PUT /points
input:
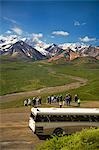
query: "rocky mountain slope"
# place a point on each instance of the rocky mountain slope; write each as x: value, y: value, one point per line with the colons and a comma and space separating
x: 22, y: 50
x: 26, y: 49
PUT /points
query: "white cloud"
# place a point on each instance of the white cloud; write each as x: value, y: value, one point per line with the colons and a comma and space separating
x: 8, y: 32
x: 60, y: 33
x: 9, y: 19
x: 17, y: 30
x: 76, y: 23
x: 37, y: 42
x: 52, y: 36
x: 39, y: 35
x: 87, y: 39
x: 84, y: 23
x: 36, y: 37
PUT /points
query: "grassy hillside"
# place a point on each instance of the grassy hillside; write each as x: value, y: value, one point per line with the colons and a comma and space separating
x: 17, y: 76
x: 87, y: 68
x: 84, y: 140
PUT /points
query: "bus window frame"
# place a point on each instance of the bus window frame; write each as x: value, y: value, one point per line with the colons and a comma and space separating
x: 72, y: 118
x: 43, y: 118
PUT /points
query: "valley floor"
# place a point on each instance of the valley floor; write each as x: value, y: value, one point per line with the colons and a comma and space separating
x: 49, y: 90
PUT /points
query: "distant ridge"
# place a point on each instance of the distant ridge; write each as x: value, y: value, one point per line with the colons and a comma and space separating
x: 21, y: 49
x: 86, y: 62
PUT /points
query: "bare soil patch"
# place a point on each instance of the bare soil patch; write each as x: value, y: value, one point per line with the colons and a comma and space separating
x: 15, y: 133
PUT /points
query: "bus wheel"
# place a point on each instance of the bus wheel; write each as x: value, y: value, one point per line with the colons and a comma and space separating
x: 58, y: 132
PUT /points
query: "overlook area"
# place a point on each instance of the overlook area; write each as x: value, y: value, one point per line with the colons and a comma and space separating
x: 49, y: 58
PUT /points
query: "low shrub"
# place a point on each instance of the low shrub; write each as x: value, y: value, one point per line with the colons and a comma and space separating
x: 87, y: 139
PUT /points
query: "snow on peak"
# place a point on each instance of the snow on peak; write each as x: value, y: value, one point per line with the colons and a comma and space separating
x: 41, y: 50
x: 7, y: 41
x: 38, y: 45
x: 73, y: 46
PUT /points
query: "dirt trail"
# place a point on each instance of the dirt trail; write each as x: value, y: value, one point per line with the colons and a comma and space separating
x: 49, y: 90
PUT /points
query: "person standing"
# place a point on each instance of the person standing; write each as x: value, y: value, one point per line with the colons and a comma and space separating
x: 40, y: 100
x: 76, y: 98
x: 67, y: 99
x: 34, y: 101
x: 63, y: 102
x: 52, y: 98
x: 37, y: 101
x: 25, y: 102
x: 60, y: 104
x: 78, y: 102
x: 57, y: 99
x: 48, y: 99
x: 29, y: 101
x: 61, y: 98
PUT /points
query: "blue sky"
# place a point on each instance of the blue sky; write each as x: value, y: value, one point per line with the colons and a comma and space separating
x: 51, y: 21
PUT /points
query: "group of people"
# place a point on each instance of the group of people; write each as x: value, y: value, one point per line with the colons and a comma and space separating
x: 54, y: 99
x: 63, y: 100
x: 68, y: 99
x: 35, y: 101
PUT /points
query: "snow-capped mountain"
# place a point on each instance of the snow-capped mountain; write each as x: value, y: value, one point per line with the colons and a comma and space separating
x: 38, y: 45
x: 36, y: 50
x: 73, y: 46
x: 90, y: 51
x: 42, y: 51
x: 21, y: 49
x: 54, y: 49
x: 7, y: 41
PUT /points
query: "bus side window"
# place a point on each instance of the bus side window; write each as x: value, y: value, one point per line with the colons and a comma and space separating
x: 38, y: 118
x: 42, y: 118
x: 83, y: 118
x: 87, y: 118
x: 75, y: 118
x: 45, y: 118
x: 97, y: 118
x: 94, y: 118
x: 53, y: 118
x: 91, y: 118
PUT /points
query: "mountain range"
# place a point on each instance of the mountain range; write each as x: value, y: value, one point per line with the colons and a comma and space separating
x: 26, y: 49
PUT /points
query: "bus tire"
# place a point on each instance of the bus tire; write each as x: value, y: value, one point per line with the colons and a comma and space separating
x: 58, y: 132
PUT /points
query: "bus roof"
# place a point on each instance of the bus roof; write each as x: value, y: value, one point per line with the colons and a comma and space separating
x: 64, y: 111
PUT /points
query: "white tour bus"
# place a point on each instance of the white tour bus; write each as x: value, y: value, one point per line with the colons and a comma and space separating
x: 47, y: 121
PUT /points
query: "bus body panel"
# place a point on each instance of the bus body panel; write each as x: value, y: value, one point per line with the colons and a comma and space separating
x: 44, y: 121
x: 67, y: 127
